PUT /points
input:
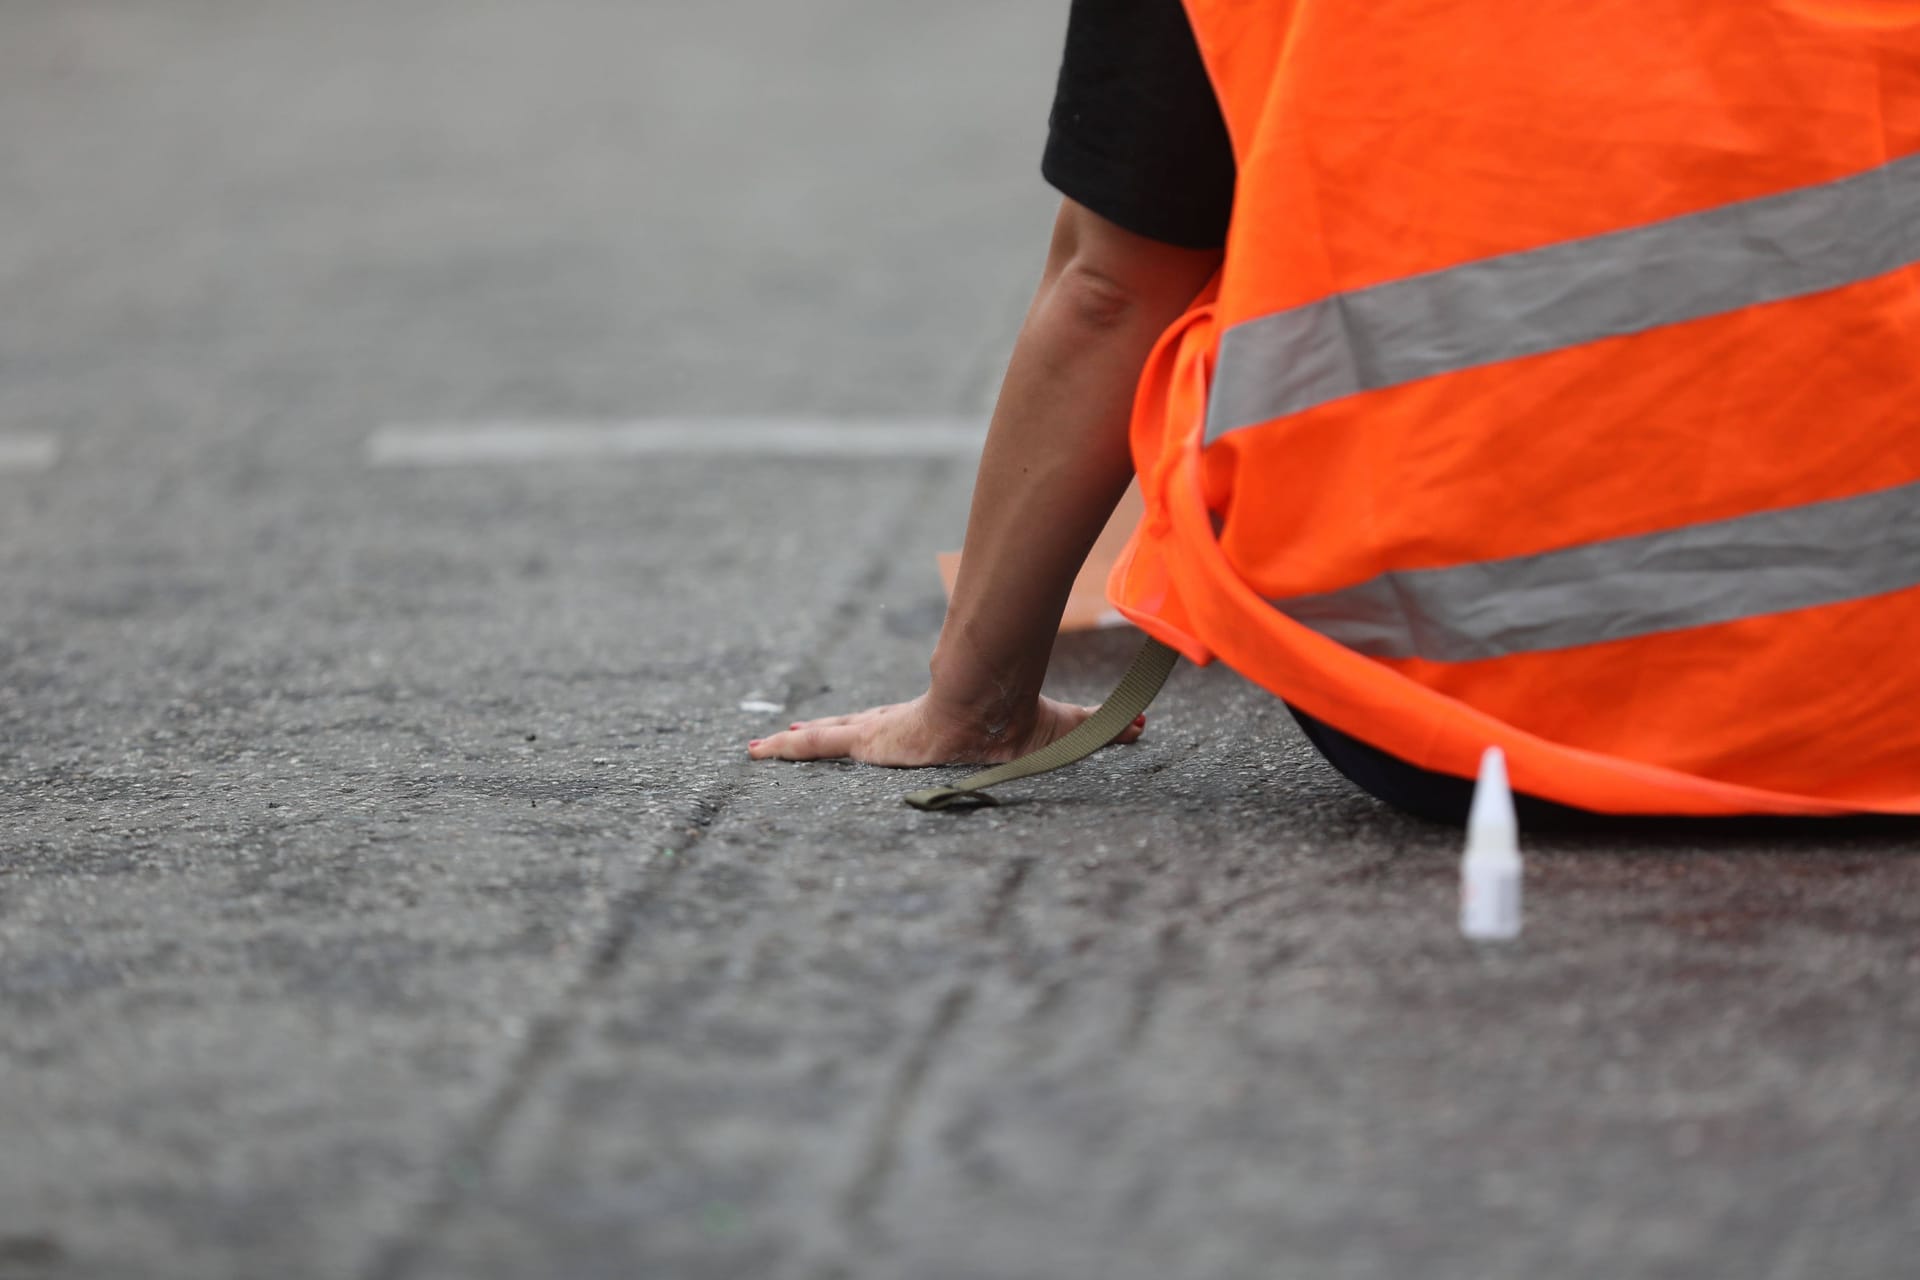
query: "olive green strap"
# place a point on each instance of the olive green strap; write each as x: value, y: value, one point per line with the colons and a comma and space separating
x: 1149, y: 671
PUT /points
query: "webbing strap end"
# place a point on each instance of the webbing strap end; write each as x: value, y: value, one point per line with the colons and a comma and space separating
x: 934, y: 799
x: 1143, y: 679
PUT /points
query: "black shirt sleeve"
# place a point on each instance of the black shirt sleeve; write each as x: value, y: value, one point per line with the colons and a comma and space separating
x: 1136, y: 133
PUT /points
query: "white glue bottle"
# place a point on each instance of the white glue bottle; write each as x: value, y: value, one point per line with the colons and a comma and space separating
x: 1490, y: 870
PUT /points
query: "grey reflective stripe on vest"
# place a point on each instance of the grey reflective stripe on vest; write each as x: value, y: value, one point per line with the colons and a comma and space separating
x: 1793, y: 558
x: 1565, y: 295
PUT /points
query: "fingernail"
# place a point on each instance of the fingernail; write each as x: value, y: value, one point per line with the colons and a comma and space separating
x: 756, y: 742
x: 1140, y: 719
x: 794, y: 725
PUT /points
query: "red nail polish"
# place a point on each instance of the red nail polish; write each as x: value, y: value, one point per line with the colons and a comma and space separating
x: 756, y: 742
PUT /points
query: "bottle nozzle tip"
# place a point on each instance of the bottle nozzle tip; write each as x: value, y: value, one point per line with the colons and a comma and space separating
x: 1492, y: 819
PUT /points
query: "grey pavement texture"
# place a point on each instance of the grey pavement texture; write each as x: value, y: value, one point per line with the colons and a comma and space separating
x: 383, y: 891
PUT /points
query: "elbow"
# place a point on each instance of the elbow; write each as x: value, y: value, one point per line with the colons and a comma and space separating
x: 1103, y: 282
x: 1094, y: 299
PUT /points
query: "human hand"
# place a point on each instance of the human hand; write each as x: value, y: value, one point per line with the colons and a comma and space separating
x: 912, y: 734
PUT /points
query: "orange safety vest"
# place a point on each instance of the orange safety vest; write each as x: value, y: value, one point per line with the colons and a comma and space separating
x: 1560, y: 391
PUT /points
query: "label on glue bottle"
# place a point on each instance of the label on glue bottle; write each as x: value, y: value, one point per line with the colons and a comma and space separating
x: 1490, y: 902
x: 1490, y: 868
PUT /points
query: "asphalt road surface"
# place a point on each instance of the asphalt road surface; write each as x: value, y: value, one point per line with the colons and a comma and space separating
x: 383, y: 889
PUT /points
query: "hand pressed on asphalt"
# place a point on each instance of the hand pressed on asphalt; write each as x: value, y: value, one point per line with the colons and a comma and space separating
x: 911, y: 734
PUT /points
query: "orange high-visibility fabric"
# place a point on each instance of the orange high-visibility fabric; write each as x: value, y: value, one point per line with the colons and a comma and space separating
x: 1385, y: 142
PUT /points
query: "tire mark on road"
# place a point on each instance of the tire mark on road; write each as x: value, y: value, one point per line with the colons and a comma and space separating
x: 1146, y: 990
x: 882, y: 1151
x: 883, y: 1144
x: 1005, y: 893
x: 471, y: 1155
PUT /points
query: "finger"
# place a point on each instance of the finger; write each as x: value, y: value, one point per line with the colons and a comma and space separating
x: 1133, y: 731
x: 852, y: 717
x: 831, y: 743
x: 829, y: 722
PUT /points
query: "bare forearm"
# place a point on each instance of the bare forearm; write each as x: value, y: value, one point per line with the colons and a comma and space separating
x: 1055, y: 462
x: 1056, y: 458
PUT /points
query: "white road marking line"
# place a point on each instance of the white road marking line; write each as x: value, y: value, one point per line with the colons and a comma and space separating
x: 511, y: 443
x: 28, y: 453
